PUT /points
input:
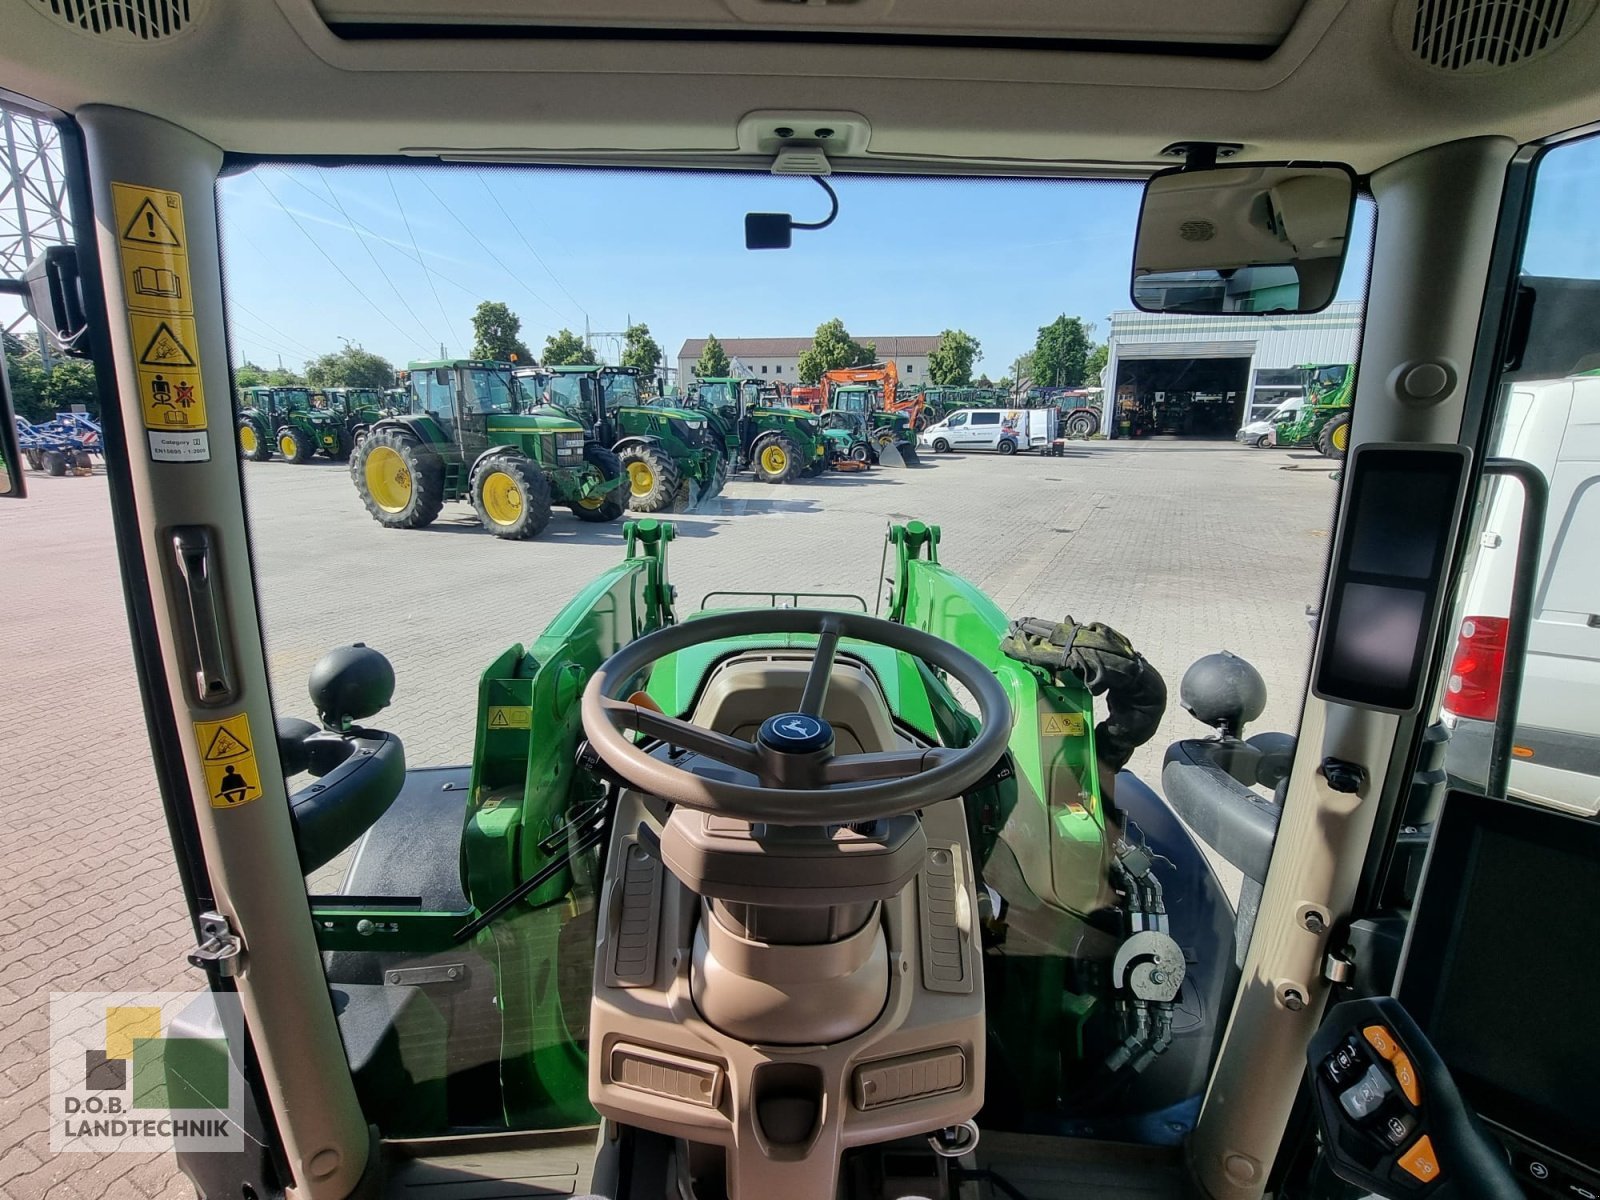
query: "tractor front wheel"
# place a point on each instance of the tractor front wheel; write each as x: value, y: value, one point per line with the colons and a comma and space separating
x: 611, y: 505
x: 653, y: 479
x: 295, y: 445
x: 776, y: 459
x: 343, y: 445
x: 252, y: 445
x: 512, y: 496
x: 400, y: 483
x: 1334, y: 440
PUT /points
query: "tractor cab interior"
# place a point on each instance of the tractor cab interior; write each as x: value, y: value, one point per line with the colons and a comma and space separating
x: 856, y: 881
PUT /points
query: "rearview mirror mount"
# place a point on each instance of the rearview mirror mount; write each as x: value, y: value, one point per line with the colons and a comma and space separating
x: 1251, y: 238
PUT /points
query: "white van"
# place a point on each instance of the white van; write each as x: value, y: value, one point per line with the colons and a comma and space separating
x: 1004, y: 429
x: 1556, y: 743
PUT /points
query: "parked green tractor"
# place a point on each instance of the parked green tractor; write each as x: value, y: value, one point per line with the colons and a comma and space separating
x: 292, y: 421
x: 360, y: 408
x: 776, y: 442
x: 883, y: 431
x: 673, y: 461
x: 1319, y: 417
x: 470, y: 436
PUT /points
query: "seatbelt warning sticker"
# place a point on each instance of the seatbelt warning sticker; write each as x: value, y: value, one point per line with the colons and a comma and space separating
x: 510, y: 716
x: 1060, y: 724
x: 153, y: 244
x: 227, y: 753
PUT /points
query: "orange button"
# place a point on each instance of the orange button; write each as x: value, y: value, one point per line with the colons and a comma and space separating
x: 1419, y: 1161
x: 1381, y: 1040
x: 1406, y: 1077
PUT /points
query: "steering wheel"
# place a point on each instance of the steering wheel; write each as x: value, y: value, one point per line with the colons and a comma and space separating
x: 802, y: 781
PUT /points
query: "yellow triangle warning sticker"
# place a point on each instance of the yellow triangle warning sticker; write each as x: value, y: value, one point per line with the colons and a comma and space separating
x: 510, y: 716
x: 226, y: 744
x: 149, y: 228
x: 164, y: 349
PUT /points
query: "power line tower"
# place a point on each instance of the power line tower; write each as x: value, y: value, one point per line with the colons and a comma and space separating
x: 33, y: 198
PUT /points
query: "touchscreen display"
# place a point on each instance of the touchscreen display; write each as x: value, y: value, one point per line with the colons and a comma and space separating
x: 1387, y: 579
x: 1503, y: 955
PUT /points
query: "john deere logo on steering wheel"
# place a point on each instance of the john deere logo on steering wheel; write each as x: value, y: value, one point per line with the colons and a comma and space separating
x: 799, y: 728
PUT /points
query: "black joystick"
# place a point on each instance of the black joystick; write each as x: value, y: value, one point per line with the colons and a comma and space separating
x: 349, y: 684
x: 1223, y: 691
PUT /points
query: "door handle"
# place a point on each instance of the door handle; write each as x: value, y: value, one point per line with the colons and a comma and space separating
x: 194, y: 560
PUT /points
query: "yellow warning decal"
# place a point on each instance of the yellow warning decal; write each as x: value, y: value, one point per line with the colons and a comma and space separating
x: 227, y: 753
x: 1061, y: 724
x: 153, y: 244
x: 510, y: 716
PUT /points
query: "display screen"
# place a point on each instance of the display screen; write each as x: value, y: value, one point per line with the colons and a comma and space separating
x: 1500, y: 968
x: 1387, y: 579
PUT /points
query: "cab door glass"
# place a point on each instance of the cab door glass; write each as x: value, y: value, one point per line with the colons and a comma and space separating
x: 1549, y: 751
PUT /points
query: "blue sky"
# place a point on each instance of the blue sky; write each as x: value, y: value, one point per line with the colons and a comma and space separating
x: 417, y: 248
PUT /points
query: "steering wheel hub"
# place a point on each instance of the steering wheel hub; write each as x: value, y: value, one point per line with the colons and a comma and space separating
x: 795, y: 733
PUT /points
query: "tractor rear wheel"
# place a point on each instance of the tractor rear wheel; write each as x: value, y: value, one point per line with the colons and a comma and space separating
x: 400, y: 483
x: 653, y: 479
x: 1082, y: 424
x: 776, y: 459
x: 612, y: 504
x: 296, y: 445
x: 252, y: 445
x: 1334, y: 440
x: 512, y: 496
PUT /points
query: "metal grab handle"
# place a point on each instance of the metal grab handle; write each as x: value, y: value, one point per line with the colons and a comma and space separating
x: 213, y: 671
x: 1535, y: 499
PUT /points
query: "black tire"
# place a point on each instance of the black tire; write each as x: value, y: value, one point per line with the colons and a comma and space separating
x: 1334, y: 440
x: 1006, y: 446
x: 615, y: 502
x: 861, y: 453
x: 775, y: 458
x: 653, y: 479
x: 411, y: 478
x: 254, y: 444
x: 35, y: 459
x: 1260, y: 443
x: 511, y: 496
x: 1083, y: 425
x: 344, y: 444
x: 55, y: 462
x: 296, y: 445
x: 940, y: 446
x: 720, y: 473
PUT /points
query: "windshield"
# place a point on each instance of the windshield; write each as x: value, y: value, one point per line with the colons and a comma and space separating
x: 1075, y: 470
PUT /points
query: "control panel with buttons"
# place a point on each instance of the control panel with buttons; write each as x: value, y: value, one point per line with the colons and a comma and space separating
x: 1390, y: 1116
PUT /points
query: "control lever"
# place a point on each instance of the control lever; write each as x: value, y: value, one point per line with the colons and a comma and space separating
x: 1390, y: 1116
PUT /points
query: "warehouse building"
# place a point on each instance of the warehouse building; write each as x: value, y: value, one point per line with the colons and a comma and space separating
x: 779, y: 358
x: 1203, y: 376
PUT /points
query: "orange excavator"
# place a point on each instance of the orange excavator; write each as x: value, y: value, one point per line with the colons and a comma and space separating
x: 883, y: 374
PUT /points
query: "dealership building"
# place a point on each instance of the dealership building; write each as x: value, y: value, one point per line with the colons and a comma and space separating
x: 778, y: 358
x: 1195, y: 375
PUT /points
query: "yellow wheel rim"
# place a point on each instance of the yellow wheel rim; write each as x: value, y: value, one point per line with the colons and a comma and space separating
x: 285, y: 445
x: 502, y: 498
x: 774, y: 460
x: 247, y: 439
x: 591, y: 502
x: 388, y: 480
x: 641, y: 479
x: 1341, y: 437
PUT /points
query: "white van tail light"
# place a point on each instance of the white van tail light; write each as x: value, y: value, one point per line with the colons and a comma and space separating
x: 1473, y: 689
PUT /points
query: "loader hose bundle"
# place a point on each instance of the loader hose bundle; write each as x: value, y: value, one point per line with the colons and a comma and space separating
x: 1106, y: 663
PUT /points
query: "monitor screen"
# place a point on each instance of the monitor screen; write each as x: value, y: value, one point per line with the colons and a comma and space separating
x: 1500, y: 967
x: 1387, y: 577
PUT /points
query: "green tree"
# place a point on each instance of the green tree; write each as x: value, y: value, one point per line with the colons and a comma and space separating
x: 950, y: 364
x: 495, y: 330
x: 640, y: 350
x: 39, y: 393
x: 350, y: 367
x: 832, y: 348
x: 1003, y: 383
x: 1099, y: 354
x: 561, y: 349
x: 1061, y: 353
x: 713, y: 362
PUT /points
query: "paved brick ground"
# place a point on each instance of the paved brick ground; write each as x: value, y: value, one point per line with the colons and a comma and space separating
x: 1187, y: 548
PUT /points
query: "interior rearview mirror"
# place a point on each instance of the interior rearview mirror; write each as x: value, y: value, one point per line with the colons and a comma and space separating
x: 1251, y: 238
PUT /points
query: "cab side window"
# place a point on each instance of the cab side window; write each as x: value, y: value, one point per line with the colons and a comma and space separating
x: 986, y: 418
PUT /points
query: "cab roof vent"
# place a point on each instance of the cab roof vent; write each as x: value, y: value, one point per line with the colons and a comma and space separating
x: 1487, y: 35
x: 123, y: 20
